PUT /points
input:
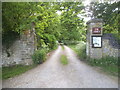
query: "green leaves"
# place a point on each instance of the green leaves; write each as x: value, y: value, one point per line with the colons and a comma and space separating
x: 109, y: 13
x: 70, y: 22
x: 39, y: 56
x: 15, y: 15
x: 50, y: 27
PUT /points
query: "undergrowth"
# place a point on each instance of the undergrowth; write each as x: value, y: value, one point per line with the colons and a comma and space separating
x: 108, y: 64
x: 39, y: 56
x: 80, y: 49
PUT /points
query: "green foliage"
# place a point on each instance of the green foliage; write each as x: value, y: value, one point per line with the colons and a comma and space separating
x: 9, y: 72
x: 50, y: 27
x: 72, y: 26
x: 64, y: 60
x: 50, y: 40
x: 67, y: 42
x: 109, y: 13
x: 63, y: 47
x: 80, y: 49
x: 105, y: 61
x: 82, y: 52
x: 39, y: 56
x: 16, y: 16
x: 47, y: 27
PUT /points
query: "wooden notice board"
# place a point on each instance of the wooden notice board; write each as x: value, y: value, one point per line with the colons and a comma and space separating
x: 96, y: 30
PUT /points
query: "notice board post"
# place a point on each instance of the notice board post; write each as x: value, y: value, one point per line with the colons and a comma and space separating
x: 94, y: 38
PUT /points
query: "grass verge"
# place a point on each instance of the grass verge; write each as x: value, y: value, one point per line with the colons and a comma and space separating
x: 107, y: 64
x: 9, y: 72
x: 63, y: 48
x: 64, y: 60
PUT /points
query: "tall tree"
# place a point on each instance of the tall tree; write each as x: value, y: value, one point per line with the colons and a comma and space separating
x: 109, y: 12
x: 72, y: 25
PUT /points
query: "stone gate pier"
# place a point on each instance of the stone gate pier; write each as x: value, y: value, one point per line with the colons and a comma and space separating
x: 99, y: 45
x: 21, y: 50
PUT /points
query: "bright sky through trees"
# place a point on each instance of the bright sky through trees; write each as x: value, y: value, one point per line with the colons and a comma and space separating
x: 86, y: 2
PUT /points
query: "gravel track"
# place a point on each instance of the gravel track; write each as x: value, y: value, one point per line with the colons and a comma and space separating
x: 52, y: 74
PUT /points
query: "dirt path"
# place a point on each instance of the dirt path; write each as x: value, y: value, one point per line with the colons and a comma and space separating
x: 52, y: 74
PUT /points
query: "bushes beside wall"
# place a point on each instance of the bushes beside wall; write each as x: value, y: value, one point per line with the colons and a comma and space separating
x: 80, y: 49
x: 39, y: 56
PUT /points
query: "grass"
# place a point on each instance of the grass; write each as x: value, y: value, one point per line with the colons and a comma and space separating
x: 63, y: 48
x: 107, y: 64
x: 64, y: 60
x: 9, y: 72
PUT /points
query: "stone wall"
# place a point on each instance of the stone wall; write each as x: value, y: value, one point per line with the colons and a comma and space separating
x: 21, y: 50
x: 110, y: 46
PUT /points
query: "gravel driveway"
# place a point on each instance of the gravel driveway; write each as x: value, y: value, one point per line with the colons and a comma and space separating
x: 52, y: 74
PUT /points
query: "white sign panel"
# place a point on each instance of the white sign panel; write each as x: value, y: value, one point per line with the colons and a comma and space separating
x: 96, y: 42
